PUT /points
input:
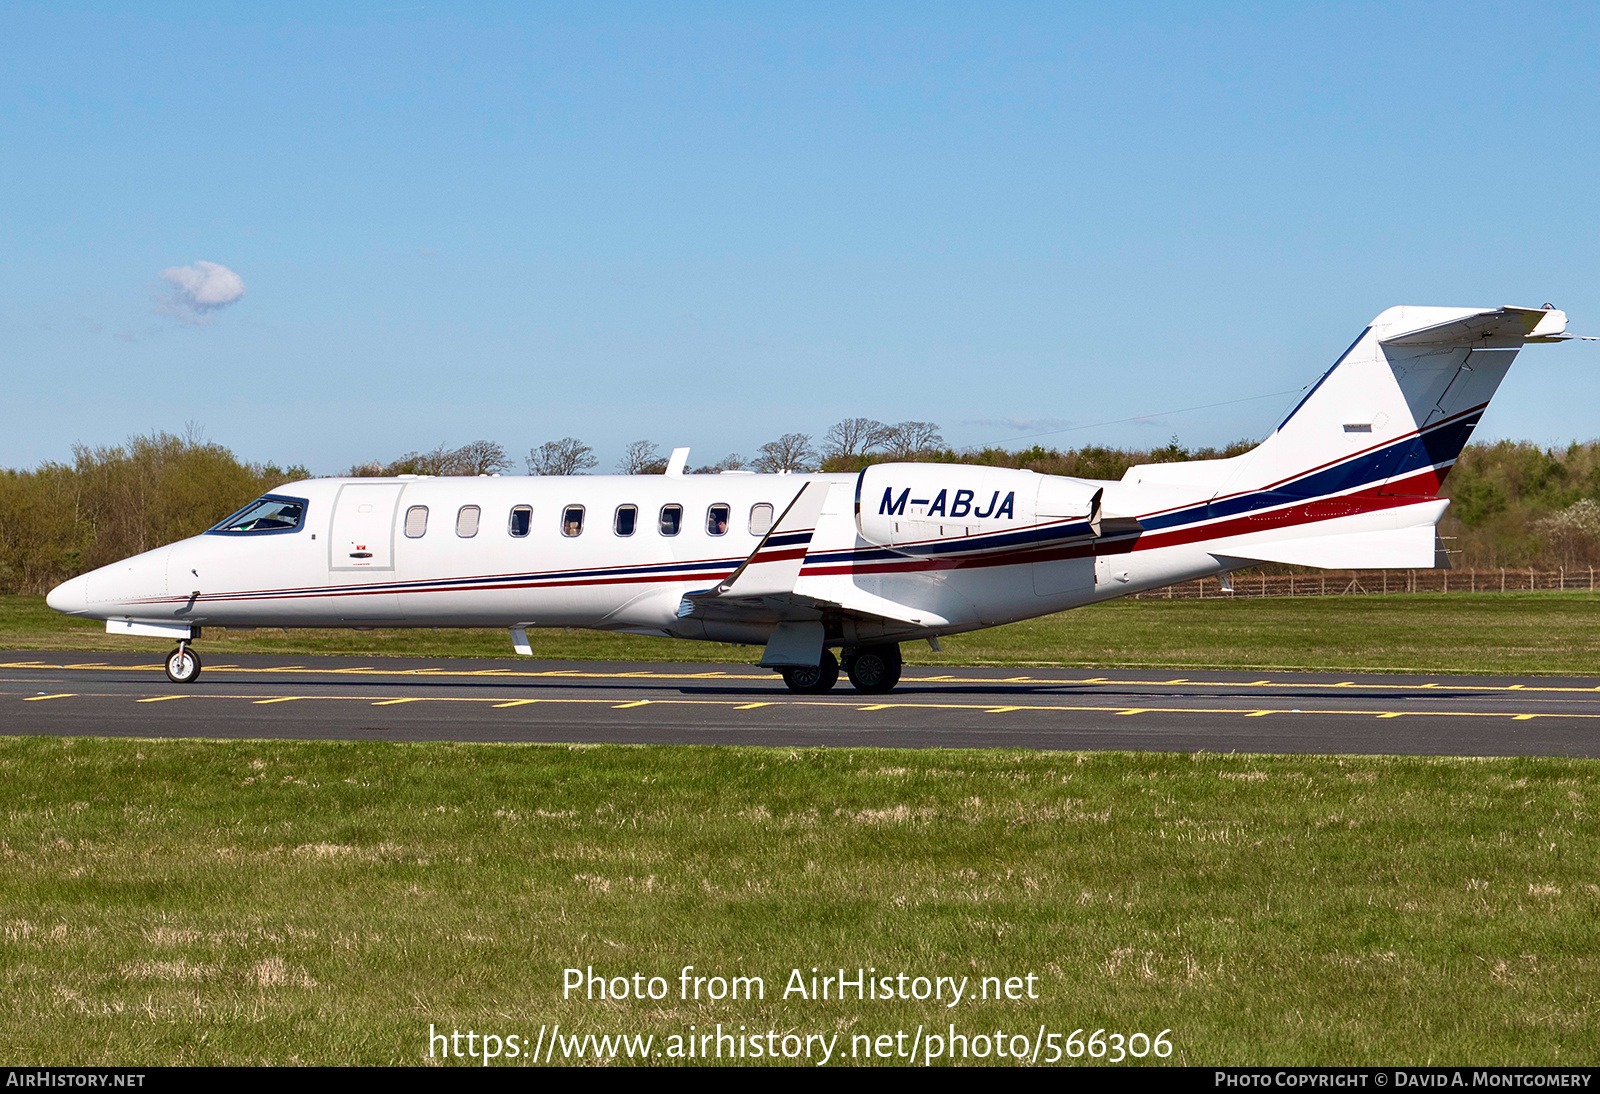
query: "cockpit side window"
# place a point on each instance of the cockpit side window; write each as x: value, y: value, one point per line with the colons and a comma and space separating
x: 269, y: 515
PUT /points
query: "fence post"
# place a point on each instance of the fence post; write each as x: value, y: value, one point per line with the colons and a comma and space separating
x: 1324, y: 593
x: 1531, y: 585
x: 1386, y: 583
x: 1502, y: 579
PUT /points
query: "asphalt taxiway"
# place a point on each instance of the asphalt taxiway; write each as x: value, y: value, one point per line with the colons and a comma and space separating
x: 127, y: 695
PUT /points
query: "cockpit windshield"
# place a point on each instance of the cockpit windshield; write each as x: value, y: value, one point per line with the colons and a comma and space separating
x: 264, y: 515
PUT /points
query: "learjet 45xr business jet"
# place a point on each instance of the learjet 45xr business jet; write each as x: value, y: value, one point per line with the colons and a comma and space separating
x: 803, y: 564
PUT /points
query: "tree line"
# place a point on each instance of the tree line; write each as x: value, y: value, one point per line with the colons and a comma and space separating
x: 848, y: 446
x: 1514, y: 504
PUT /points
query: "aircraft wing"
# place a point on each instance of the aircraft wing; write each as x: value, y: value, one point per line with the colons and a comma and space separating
x: 763, y: 586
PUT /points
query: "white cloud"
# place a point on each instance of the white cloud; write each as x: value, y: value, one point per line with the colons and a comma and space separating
x: 200, y: 289
x: 1020, y: 424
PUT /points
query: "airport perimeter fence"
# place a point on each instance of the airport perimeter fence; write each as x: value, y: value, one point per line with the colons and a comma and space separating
x: 1379, y: 583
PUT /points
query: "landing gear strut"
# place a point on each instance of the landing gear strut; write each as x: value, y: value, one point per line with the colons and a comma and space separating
x: 873, y: 669
x: 183, y: 664
x: 813, y: 679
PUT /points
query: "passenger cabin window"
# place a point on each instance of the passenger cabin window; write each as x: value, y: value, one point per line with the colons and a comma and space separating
x: 521, y: 520
x: 416, y: 521
x: 264, y: 516
x: 671, y: 519
x: 760, y: 519
x: 467, y: 521
x: 572, y: 520
x: 717, y: 519
x: 627, y: 521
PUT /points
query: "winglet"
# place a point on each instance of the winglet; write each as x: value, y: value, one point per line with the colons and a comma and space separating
x: 774, y: 566
x: 680, y: 456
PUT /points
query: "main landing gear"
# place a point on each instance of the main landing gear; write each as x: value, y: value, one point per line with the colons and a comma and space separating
x: 813, y: 679
x: 872, y: 669
x: 183, y: 664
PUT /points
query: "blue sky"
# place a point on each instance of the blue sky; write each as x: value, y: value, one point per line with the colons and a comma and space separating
x: 710, y: 225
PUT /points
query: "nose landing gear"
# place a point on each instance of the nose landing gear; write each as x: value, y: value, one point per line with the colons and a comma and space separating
x: 183, y: 664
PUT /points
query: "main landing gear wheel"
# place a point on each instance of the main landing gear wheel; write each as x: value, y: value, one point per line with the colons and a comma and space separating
x: 183, y: 665
x: 813, y: 679
x: 873, y: 669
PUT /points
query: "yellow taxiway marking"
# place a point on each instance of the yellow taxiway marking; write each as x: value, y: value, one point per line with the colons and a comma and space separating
x: 738, y: 704
x: 163, y: 698
x: 397, y: 702
x: 719, y: 674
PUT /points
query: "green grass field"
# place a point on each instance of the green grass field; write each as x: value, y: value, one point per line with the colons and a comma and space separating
x: 277, y: 902
x: 1541, y: 632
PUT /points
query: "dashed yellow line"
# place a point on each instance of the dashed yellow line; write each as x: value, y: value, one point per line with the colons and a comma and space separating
x: 499, y: 702
x: 720, y: 674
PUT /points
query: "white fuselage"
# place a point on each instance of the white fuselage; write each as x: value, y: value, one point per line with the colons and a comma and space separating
x: 418, y: 574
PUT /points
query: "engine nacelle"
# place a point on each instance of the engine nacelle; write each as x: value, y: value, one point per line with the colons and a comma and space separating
x: 902, y: 504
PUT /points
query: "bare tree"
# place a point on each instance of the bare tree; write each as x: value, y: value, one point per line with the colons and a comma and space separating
x: 731, y: 462
x: 642, y: 458
x: 478, y: 458
x: 790, y: 452
x: 908, y: 439
x: 568, y: 456
x: 854, y: 437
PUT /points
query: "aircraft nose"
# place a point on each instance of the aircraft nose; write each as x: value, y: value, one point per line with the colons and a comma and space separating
x: 70, y: 596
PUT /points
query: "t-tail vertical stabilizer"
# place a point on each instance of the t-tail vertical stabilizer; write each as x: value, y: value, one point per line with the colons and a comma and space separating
x: 1351, y: 477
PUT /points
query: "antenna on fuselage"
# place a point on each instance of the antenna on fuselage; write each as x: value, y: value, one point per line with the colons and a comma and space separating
x: 675, y: 466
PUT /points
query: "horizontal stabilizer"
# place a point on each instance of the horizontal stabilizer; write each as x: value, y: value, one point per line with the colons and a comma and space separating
x: 1389, y: 549
x: 1502, y: 323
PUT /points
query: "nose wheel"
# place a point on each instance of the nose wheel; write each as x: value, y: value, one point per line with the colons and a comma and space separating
x: 183, y: 664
